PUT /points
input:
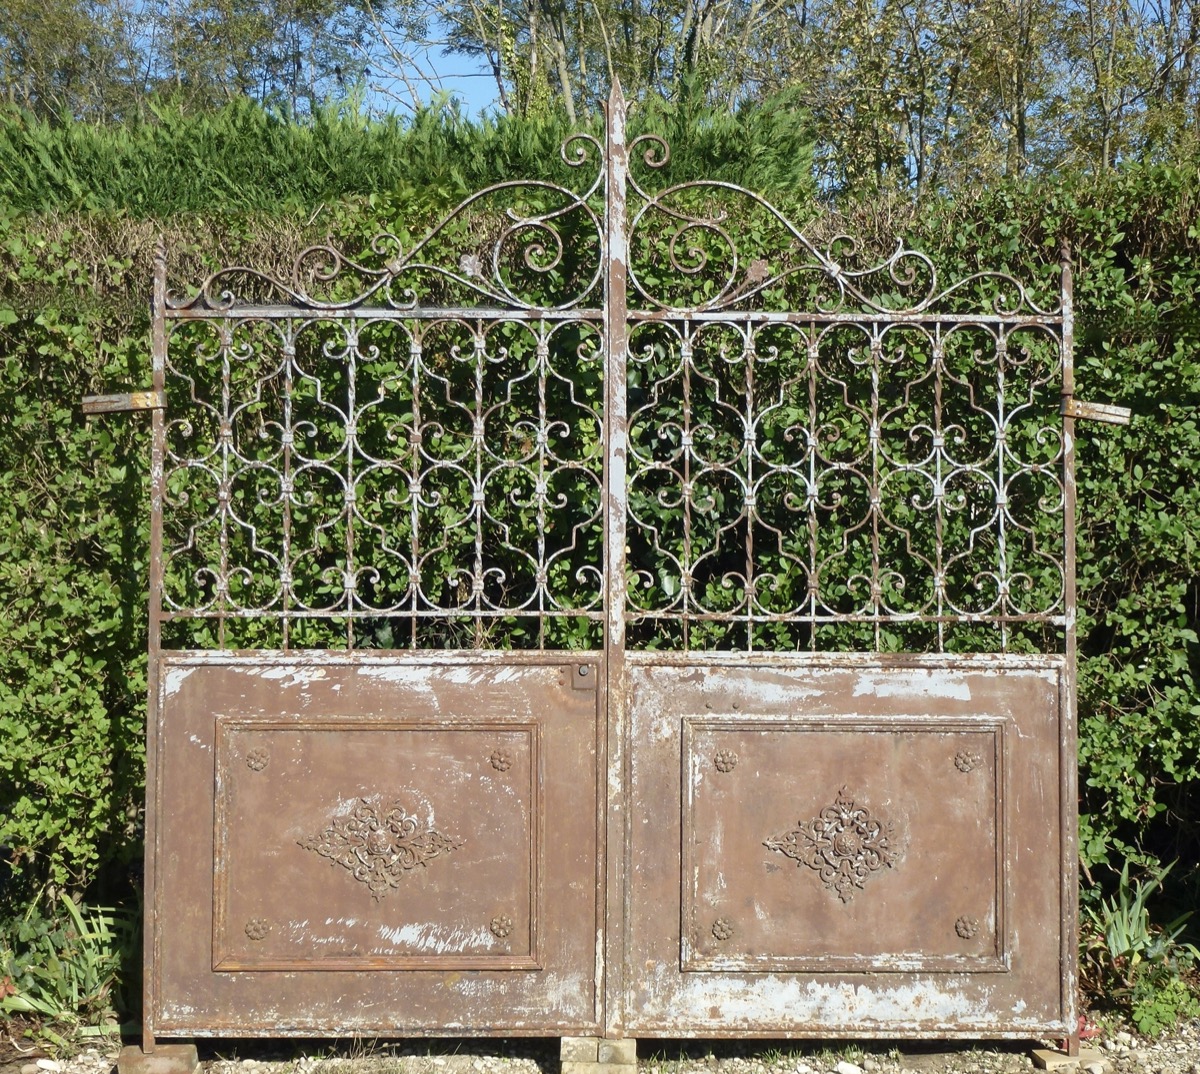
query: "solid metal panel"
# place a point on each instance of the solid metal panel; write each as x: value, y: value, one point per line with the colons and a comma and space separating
x: 854, y: 844
x: 359, y: 872
x: 384, y: 844
x: 928, y: 785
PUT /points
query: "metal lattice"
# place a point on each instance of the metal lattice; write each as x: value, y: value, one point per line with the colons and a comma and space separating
x: 618, y: 411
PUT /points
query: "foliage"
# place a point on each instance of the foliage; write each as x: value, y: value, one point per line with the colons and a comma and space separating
x: 920, y: 96
x: 64, y: 973
x: 244, y: 158
x: 73, y: 501
x: 1137, y: 247
x: 106, y: 59
x: 72, y: 577
x: 1134, y: 963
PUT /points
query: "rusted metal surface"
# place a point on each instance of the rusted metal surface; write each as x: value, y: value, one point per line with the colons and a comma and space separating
x: 1112, y: 415
x: 581, y: 621
x: 111, y: 404
x: 375, y: 845
x: 868, y: 847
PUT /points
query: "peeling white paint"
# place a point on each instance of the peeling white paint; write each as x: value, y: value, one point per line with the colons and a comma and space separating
x: 906, y: 683
x: 923, y: 1003
x: 292, y: 675
x: 436, y: 938
x: 175, y: 680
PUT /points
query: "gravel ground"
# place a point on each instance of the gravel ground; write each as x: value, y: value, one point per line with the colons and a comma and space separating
x: 1121, y: 1052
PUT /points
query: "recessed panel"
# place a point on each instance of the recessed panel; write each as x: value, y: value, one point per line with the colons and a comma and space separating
x: 381, y: 846
x: 849, y: 844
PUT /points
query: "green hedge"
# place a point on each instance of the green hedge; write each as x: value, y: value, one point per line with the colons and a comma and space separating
x: 74, y: 501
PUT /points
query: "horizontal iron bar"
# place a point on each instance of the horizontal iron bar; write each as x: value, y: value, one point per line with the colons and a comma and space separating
x: 923, y: 317
x: 884, y: 618
x: 898, y: 619
x: 1113, y: 415
x: 373, y: 613
x: 381, y: 313
x: 111, y: 404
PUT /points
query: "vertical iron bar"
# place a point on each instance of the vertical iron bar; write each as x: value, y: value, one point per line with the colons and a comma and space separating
x: 541, y: 491
x: 939, y: 453
x: 289, y: 363
x: 224, y: 441
x: 687, y: 360
x: 750, y: 500
x: 811, y: 492
x: 416, y: 342
x: 611, y: 976
x: 477, y: 482
x: 876, y: 490
x: 158, y: 361
x: 351, y: 433
x: 1002, y: 417
x: 1068, y: 764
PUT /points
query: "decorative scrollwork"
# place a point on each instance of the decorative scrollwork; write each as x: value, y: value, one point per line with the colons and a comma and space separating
x: 404, y: 448
x: 519, y: 234
x: 379, y: 845
x: 845, y: 844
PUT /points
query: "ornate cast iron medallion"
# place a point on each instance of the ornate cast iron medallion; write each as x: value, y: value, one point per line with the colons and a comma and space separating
x: 722, y: 928
x: 966, y: 927
x: 501, y: 925
x: 378, y: 846
x: 845, y: 844
x: 257, y: 759
x: 501, y: 760
x: 257, y: 928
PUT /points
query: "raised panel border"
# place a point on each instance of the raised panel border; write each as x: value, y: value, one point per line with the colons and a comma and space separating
x: 227, y: 961
x: 693, y: 961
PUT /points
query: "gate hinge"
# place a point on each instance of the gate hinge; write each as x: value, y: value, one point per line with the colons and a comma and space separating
x: 109, y: 404
x: 1114, y: 415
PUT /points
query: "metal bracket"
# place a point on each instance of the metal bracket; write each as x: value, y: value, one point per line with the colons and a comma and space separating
x: 110, y: 404
x: 1114, y: 415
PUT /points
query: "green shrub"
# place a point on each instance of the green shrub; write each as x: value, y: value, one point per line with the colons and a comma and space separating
x: 66, y: 972
x: 73, y: 495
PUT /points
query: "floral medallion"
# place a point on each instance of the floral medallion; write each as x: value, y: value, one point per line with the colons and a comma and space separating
x: 967, y: 760
x: 845, y: 844
x: 378, y: 845
x: 725, y: 760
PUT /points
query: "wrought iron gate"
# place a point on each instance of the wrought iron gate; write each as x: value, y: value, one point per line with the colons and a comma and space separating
x: 611, y: 613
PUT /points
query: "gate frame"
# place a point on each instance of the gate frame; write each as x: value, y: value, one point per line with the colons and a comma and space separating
x: 613, y: 689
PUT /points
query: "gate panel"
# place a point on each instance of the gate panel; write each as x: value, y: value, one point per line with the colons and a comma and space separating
x: 418, y: 834
x: 868, y: 846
